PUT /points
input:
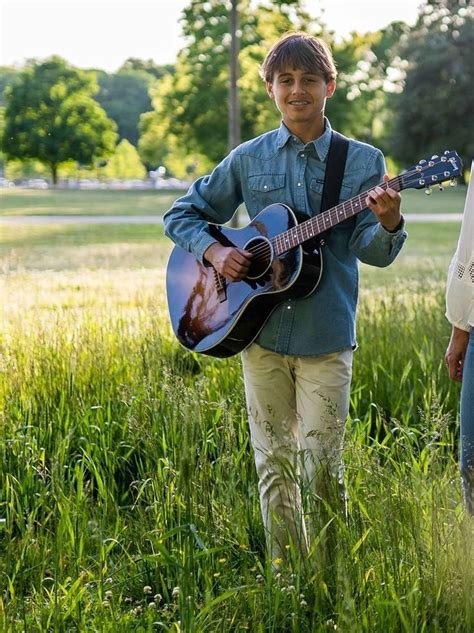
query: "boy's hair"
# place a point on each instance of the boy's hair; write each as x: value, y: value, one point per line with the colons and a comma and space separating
x: 299, y: 50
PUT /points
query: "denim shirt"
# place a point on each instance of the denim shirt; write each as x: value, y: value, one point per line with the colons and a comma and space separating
x: 277, y: 167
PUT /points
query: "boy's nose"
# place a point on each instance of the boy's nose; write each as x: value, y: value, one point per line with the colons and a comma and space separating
x: 298, y: 88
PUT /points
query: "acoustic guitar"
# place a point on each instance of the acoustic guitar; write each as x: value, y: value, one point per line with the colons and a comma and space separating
x: 214, y: 316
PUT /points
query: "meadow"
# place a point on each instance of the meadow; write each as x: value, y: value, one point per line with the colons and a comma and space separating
x: 128, y: 497
x: 16, y: 201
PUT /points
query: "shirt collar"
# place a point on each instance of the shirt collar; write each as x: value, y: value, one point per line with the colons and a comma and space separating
x: 283, y: 135
x: 321, y: 144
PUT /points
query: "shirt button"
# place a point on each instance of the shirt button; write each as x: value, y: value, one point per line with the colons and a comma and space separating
x: 265, y: 186
x: 302, y: 155
x: 299, y: 184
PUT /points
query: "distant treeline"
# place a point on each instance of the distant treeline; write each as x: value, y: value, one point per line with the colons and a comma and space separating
x: 407, y: 90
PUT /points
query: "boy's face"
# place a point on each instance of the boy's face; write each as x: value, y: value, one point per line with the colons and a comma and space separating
x: 300, y: 95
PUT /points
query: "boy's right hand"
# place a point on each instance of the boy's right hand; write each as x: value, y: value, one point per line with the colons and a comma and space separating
x: 232, y: 263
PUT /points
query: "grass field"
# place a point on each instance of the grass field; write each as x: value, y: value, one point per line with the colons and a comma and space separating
x: 64, y: 202
x: 80, y: 202
x: 128, y: 498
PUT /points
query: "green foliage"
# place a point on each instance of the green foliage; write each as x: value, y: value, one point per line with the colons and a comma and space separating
x: 435, y: 108
x: 160, y: 147
x: 148, y: 66
x: 16, y: 169
x: 367, y: 85
x: 52, y: 117
x: 194, y: 101
x: 124, y: 163
x: 124, y: 97
x: 7, y: 77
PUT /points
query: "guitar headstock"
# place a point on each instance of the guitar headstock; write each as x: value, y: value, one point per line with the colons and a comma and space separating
x: 434, y: 171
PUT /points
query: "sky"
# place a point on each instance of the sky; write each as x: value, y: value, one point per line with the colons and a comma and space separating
x: 104, y: 33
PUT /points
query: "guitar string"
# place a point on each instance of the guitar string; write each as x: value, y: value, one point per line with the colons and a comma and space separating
x: 317, y: 219
x: 262, y: 251
x: 347, y: 205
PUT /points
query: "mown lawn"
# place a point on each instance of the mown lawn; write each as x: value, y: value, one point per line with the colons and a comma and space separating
x: 132, y: 202
x: 17, y: 201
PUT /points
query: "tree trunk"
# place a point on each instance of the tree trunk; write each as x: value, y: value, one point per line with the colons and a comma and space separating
x: 54, y: 174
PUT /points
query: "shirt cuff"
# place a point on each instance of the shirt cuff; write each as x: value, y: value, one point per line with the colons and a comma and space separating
x: 398, y: 229
x: 200, y: 246
x: 461, y: 325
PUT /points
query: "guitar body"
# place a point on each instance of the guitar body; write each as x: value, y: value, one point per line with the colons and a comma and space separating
x: 219, y: 318
x: 213, y: 316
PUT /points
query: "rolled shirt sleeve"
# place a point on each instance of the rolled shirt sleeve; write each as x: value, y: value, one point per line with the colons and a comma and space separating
x: 370, y: 241
x: 212, y: 198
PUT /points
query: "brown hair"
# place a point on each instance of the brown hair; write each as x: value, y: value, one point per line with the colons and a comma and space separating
x: 299, y: 50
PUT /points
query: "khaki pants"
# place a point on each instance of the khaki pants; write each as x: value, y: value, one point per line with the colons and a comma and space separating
x: 297, y: 410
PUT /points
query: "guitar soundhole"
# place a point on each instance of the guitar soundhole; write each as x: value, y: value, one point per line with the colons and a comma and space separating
x: 262, y: 257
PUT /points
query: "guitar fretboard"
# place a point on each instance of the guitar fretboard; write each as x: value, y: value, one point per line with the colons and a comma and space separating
x: 322, y: 222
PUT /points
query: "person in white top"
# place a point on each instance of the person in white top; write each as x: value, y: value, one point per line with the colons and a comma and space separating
x: 460, y: 352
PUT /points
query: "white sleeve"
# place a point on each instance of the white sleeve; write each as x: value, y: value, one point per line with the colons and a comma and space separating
x: 460, y: 284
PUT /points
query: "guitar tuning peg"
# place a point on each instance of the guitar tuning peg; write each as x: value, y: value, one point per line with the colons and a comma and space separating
x: 428, y: 191
x: 434, y: 157
x: 446, y: 151
x: 452, y: 182
x: 422, y: 161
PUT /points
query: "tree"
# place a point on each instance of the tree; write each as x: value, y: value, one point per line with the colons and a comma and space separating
x: 159, y: 146
x: 124, y: 97
x: 435, y: 108
x: 368, y: 84
x: 7, y: 76
x: 125, y: 163
x: 148, y: 66
x: 51, y: 116
x: 192, y: 104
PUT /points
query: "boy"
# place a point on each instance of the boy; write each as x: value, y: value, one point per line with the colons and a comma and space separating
x: 297, y: 372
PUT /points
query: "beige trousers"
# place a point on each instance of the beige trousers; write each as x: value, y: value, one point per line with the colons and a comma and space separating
x: 297, y: 409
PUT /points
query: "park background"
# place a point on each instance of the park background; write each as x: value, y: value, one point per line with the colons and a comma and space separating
x: 128, y: 496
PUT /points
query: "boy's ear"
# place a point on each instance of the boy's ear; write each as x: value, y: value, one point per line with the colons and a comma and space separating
x: 330, y: 88
x: 269, y: 87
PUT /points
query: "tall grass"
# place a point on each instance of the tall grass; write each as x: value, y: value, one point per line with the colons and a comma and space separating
x: 128, y: 498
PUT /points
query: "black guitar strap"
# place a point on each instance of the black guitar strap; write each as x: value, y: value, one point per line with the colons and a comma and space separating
x: 335, y: 166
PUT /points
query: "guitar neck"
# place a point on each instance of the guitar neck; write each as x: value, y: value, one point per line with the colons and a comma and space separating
x: 323, y: 221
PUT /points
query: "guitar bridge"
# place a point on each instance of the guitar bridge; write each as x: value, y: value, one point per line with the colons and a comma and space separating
x: 221, y: 286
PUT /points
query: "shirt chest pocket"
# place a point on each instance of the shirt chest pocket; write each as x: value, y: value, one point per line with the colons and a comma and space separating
x: 267, y: 189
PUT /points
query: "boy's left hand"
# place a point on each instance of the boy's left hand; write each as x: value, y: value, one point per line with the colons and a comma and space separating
x: 385, y: 203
